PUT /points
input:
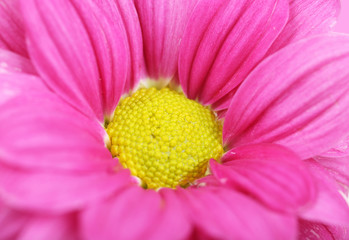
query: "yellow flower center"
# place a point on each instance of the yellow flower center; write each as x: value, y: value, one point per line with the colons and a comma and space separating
x: 164, y: 138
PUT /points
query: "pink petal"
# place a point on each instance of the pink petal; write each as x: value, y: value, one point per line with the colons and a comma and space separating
x: 137, y: 214
x: 297, y: 98
x: 342, y: 23
x: 53, y: 228
x: 209, y: 180
x: 224, y: 214
x: 40, y: 131
x: 123, y: 12
x: 11, y: 222
x: 340, y: 150
x: 223, y: 43
x: 131, y: 214
x: 270, y: 173
x: 130, y: 19
x: 337, y: 167
x: 315, y: 231
x: 173, y: 223
x: 163, y: 23
x: 14, y: 85
x: 307, y: 18
x: 330, y: 207
x: 29, y: 225
x: 57, y: 192
x: 222, y: 104
x: 12, y: 62
x: 52, y: 157
x: 145, y: 214
x: 11, y: 28
x: 108, y: 40
x: 77, y: 51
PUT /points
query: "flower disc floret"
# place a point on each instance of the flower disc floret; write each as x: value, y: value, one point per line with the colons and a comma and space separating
x: 164, y: 138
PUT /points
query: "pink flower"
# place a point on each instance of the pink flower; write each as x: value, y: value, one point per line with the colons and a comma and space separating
x: 65, y: 64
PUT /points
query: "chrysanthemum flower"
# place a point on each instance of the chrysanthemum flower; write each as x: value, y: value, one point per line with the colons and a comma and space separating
x: 88, y: 151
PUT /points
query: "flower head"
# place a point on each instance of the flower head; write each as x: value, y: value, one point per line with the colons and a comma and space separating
x: 82, y: 135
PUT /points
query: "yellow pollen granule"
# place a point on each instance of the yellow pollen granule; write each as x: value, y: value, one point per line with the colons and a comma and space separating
x: 164, y: 138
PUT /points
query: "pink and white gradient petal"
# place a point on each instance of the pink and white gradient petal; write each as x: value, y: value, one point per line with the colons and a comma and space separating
x: 11, y: 62
x: 14, y: 85
x: 77, y: 52
x: 11, y: 28
x: 307, y: 18
x: 330, y: 207
x: 297, y: 98
x: 163, y: 23
x: 265, y: 171
x: 223, y: 43
x: 221, y: 213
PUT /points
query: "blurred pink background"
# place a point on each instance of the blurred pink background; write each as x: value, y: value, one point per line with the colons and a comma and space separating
x: 343, y: 21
